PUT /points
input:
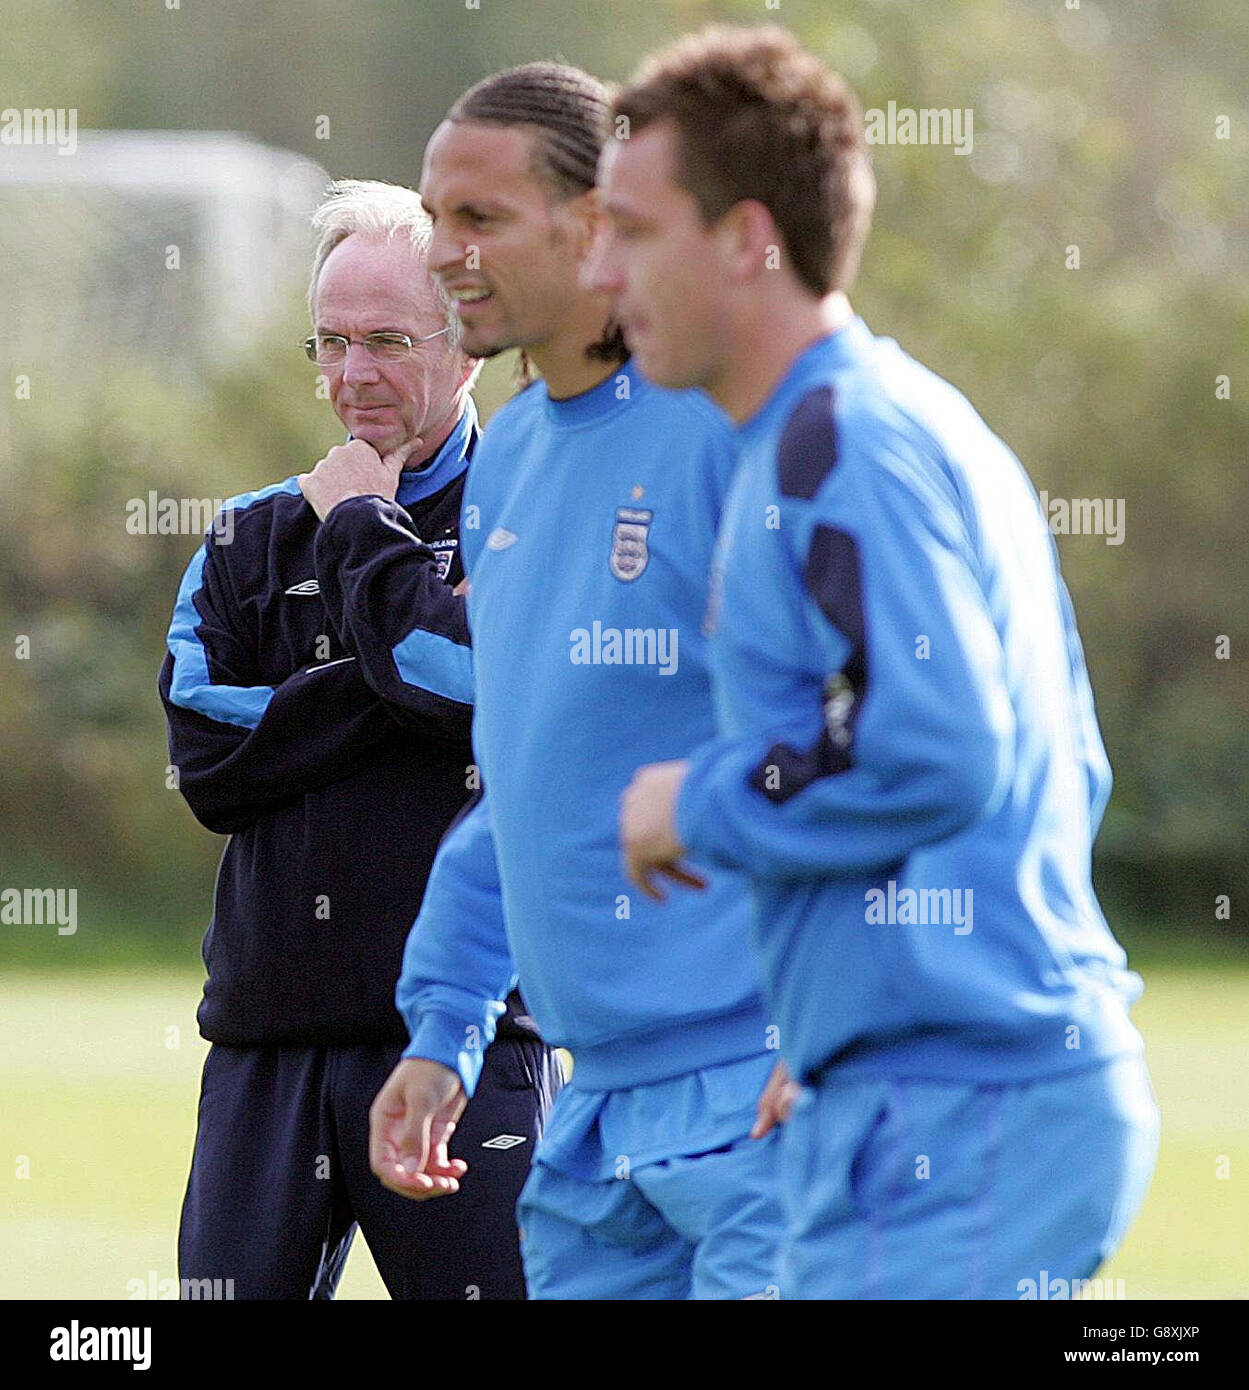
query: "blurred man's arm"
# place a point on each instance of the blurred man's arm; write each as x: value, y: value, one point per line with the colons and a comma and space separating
x: 457, y: 966
x: 457, y: 972
x: 1092, y: 750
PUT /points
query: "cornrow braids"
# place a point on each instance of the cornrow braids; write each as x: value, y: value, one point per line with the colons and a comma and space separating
x: 569, y: 112
x: 568, y: 109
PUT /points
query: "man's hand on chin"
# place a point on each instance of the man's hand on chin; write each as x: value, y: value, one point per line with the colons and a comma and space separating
x: 355, y: 469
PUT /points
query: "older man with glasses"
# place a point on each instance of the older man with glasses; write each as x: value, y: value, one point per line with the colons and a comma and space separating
x: 318, y: 689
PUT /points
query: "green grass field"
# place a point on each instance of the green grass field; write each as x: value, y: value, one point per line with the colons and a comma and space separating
x: 98, y: 1084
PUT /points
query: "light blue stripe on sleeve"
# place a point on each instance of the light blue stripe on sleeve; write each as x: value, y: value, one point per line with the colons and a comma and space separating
x: 431, y: 662
x: 192, y: 687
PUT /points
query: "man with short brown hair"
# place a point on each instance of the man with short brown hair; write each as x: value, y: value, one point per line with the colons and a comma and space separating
x: 907, y: 728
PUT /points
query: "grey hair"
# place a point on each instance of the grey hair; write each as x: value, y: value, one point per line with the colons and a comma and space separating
x: 375, y: 209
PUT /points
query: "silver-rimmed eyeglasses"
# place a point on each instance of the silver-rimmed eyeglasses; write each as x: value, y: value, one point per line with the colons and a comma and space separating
x: 330, y: 349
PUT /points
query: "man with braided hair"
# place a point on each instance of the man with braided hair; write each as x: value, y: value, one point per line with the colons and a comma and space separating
x: 588, y: 521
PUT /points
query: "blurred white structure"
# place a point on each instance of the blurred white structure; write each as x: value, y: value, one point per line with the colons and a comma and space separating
x: 160, y: 247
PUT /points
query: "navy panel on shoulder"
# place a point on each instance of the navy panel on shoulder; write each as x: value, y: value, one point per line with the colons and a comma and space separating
x: 833, y: 578
x: 807, y: 453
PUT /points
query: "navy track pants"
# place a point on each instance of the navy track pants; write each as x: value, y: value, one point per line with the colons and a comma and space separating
x: 280, y: 1177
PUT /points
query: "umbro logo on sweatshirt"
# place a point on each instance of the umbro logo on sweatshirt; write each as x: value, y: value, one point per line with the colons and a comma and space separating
x: 500, y: 538
x: 305, y: 589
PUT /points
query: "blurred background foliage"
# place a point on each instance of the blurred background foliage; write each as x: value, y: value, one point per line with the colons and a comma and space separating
x: 1093, y: 128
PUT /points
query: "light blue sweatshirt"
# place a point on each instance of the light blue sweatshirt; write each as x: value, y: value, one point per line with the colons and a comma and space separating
x: 909, y: 767
x: 587, y: 533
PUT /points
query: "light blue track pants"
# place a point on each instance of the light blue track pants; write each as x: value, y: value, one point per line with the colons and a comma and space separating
x: 917, y: 1189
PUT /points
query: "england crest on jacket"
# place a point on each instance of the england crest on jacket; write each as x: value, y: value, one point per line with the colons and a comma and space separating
x: 444, y: 553
x: 629, y: 553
